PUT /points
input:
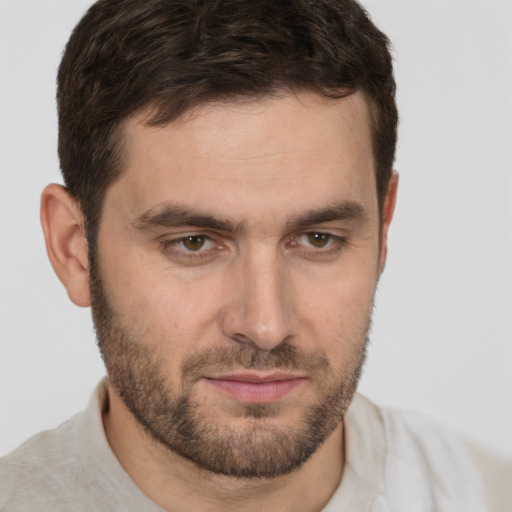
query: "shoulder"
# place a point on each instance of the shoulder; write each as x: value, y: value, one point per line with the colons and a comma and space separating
x: 431, y: 467
x: 39, y: 470
x: 70, y: 468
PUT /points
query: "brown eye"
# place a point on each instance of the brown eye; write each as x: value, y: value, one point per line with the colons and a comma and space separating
x: 193, y: 243
x: 318, y: 240
x: 192, y: 249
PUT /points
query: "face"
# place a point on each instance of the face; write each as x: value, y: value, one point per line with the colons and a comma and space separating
x: 233, y: 283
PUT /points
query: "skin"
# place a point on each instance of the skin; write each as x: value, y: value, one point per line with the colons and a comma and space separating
x: 262, y: 280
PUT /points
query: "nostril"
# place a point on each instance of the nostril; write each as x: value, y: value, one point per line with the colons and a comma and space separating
x: 243, y: 339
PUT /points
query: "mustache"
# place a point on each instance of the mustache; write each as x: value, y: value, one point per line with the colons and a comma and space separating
x: 283, y: 356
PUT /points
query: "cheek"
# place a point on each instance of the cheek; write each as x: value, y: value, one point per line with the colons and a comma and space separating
x: 337, y: 314
x: 161, y: 309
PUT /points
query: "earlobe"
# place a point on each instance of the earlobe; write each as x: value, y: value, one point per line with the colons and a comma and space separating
x: 388, y: 210
x: 63, y: 226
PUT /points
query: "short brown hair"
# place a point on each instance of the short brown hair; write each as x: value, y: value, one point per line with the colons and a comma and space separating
x: 171, y: 55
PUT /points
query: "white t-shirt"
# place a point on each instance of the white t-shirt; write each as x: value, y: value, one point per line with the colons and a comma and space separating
x: 394, y: 462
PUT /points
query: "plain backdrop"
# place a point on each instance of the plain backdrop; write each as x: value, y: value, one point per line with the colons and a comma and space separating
x: 441, y: 340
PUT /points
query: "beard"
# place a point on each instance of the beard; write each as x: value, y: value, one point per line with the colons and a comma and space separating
x: 173, y: 416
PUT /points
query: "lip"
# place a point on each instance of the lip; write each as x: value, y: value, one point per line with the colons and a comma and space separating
x: 256, y: 388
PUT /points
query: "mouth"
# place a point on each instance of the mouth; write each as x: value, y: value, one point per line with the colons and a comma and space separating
x: 257, y: 388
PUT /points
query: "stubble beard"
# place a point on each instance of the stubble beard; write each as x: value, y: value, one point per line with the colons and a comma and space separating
x: 174, y: 418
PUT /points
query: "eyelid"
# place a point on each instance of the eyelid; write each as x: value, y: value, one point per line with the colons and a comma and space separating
x: 326, y: 232
x: 332, y: 250
x: 171, y: 244
x: 332, y: 238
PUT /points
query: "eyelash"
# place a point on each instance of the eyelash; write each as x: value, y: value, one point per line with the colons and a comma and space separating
x: 172, y: 246
x: 331, y: 238
x: 335, y: 244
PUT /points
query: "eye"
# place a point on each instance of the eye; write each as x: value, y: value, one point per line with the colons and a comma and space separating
x: 318, y: 240
x: 189, y: 246
x: 193, y: 243
x: 317, y: 245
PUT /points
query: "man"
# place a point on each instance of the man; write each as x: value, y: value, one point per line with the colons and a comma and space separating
x: 229, y: 189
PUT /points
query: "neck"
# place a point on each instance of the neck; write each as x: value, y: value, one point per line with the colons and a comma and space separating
x: 175, y: 483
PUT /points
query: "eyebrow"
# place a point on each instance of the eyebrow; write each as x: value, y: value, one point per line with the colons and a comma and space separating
x: 344, y: 211
x: 175, y: 215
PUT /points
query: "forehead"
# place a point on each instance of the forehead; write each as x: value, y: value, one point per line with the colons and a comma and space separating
x: 252, y: 154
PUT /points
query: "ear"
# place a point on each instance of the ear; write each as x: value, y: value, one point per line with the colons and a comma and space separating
x: 63, y: 226
x: 387, y: 215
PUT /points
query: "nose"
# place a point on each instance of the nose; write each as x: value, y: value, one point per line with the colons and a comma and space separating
x: 259, y: 311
